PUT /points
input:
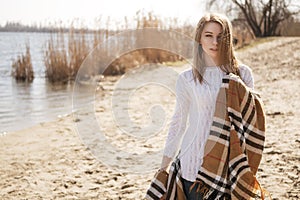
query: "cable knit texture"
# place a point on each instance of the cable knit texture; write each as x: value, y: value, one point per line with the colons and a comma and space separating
x: 192, y: 119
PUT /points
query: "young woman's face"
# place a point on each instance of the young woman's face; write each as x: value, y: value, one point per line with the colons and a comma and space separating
x: 210, y: 39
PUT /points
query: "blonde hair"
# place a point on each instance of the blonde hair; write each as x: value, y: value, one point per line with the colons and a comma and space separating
x: 225, y: 47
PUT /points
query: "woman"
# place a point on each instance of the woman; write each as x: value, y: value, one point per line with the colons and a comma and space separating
x: 196, y: 93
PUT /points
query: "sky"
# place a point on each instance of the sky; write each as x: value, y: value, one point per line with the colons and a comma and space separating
x: 45, y: 11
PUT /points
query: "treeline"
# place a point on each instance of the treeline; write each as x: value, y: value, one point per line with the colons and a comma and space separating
x: 19, y: 27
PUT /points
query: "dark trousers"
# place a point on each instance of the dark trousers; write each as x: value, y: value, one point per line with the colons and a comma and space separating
x: 191, y: 193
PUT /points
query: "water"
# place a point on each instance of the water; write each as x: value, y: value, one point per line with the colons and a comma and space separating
x: 25, y: 104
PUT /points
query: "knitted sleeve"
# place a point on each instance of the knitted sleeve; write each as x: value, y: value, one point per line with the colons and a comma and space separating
x: 246, y: 75
x: 179, y: 119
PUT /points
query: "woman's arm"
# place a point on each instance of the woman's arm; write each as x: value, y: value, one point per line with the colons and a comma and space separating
x: 178, y: 122
x: 165, y: 163
x: 246, y: 75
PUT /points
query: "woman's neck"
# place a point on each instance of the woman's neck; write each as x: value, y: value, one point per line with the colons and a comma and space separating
x: 210, y: 62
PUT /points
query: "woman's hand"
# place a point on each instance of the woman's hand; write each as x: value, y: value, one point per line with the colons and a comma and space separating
x: 165, y: 163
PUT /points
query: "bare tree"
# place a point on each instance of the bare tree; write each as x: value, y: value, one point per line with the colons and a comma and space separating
x: 263, y: 16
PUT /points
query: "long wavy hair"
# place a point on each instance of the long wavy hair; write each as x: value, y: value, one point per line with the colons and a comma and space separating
x: 228, y: 61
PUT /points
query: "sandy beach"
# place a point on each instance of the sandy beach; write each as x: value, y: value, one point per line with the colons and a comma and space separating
x: 58, y: 160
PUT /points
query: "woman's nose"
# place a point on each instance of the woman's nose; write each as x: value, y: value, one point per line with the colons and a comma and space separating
x: 215, y: 40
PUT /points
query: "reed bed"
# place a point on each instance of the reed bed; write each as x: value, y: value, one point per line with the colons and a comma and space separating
x: 63, y: 57
x: 164, y: 33
x: 56, y: 61
x: 65, y: 52
x: 22, y: 67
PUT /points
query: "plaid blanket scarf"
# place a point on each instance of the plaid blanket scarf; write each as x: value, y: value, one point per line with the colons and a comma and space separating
x: 233, y: 149
x: 235, y: 144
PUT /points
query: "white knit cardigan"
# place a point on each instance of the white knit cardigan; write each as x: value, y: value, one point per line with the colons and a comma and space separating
x: 192, y: 118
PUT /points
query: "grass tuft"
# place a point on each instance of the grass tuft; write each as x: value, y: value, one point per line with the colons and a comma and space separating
x: 22, y: 67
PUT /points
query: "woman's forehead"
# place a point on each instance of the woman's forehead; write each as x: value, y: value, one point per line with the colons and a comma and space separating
x: 212, y: 27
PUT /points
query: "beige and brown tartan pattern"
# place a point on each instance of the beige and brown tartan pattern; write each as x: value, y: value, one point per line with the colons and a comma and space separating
x: 175, y: 186
x: 235, y: 144
x: 158, y: 186
x: 166, y: 186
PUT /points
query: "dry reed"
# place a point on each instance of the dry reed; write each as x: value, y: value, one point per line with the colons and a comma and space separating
x: 22, y: 67
x: 62, y: 64
x: 165, y: 33
x: 55, y: 60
